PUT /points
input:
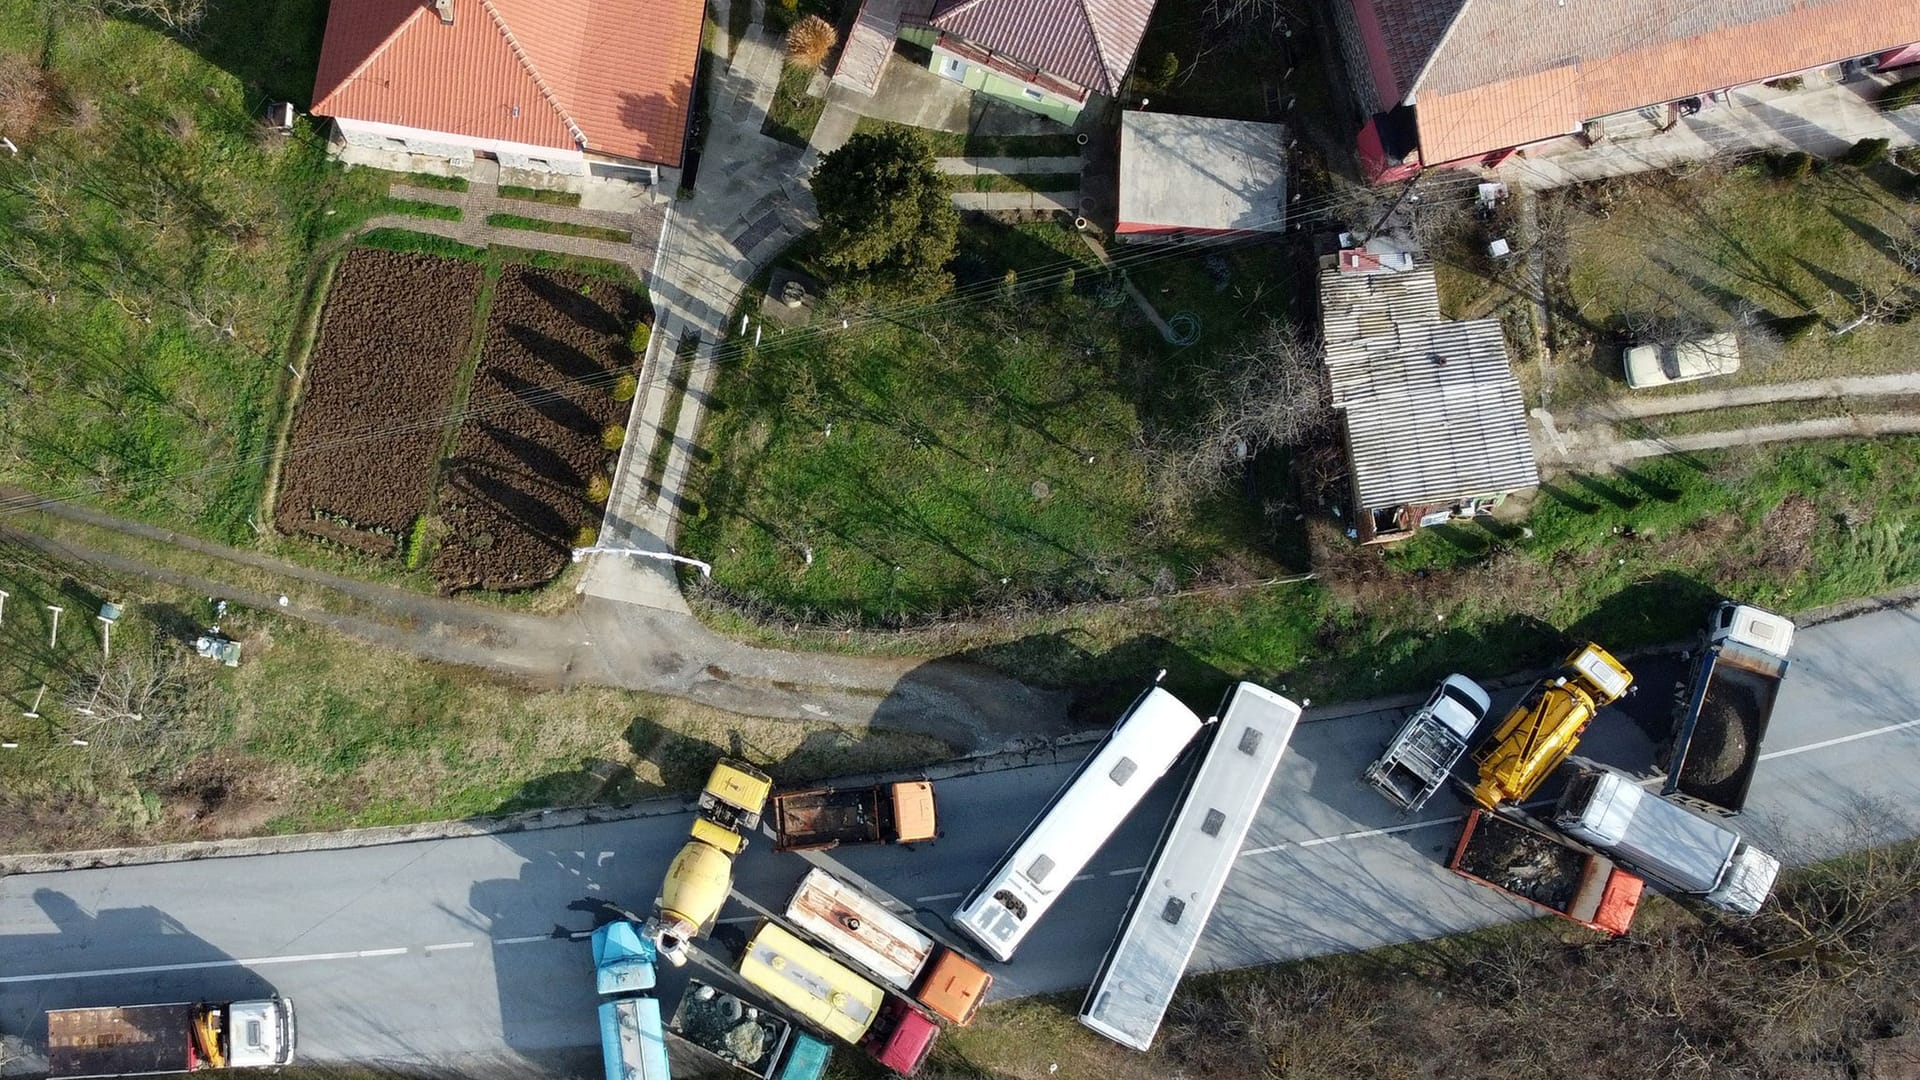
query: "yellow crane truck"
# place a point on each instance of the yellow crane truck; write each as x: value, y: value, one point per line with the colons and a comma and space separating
x: 1544, y: 727
x: 701, y: 875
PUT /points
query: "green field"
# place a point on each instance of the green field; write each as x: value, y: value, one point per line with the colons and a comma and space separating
x: 158, y: 243
x: 975, y: 451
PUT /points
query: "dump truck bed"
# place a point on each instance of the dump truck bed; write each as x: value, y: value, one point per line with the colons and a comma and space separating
x: 826, y: 817
x: 744, y: 1035
x: 1718, y: 729
x: 1547, y: 872
x: 128, y: 1040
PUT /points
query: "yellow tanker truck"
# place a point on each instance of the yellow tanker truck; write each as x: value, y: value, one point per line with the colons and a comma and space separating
x: 1543, y: 729
x: 701, y: 875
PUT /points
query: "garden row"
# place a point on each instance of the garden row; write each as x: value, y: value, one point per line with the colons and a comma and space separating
x: 535, y: 437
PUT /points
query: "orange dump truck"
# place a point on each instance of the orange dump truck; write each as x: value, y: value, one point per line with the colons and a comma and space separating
x: 819, y: 818
x: 860, y: 929
x: 1547, y: 872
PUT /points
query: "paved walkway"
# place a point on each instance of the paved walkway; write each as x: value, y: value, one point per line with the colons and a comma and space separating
x: 1007, y: 166
x: 482, y: 199
x: 1634, y: 408
x: 870, y: 43
x: 1062, y: 202
x: 750, y: 202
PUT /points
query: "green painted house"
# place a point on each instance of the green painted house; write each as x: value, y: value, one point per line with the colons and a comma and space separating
x: 1046, y: 56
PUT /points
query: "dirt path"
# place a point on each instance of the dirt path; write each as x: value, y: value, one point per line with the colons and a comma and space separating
x: 598, y: 642
x: 1638, y: 408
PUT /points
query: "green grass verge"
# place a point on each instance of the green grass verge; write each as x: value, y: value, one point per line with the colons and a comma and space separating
x: 794, y: 113
x: 424, y: 243
x: 540, y: 195
x: 560, y: 228
x: 963, y: 144
x: 1017, y: 182
x: 436, y: 181
x: 416, y: 208
x: 317, y: 731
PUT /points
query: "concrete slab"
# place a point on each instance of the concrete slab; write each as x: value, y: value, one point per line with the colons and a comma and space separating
x: 1065, y: 202
x: 910, y: 94
x: 1202, y: 174
x: 1006, y: 166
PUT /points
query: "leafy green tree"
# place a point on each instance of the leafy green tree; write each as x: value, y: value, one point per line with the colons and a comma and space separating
x: 885, y: 211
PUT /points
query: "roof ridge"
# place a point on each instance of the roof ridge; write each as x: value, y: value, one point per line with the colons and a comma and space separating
x: 1459, y: 16
x: 526, y: 61
x: 962, y: 6
x: 372, y: 55
x: 1099, y: 47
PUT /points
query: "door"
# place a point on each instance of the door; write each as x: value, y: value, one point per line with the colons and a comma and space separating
x: 953, y: 68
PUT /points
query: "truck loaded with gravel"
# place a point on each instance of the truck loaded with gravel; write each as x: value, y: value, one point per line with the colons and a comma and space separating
x: 1721, y: 714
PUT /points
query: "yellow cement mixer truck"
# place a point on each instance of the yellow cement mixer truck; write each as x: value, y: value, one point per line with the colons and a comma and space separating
x: 1542, y: 730
x: 701, y: 875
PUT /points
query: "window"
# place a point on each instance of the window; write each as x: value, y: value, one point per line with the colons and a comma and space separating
x: 953, y: 68
x: 1123, y: 771
x: 1174, y: 909
x: 1211, y: 826
x: 1032, y: 94
x: 1250, y: 741
x: 1041, y: 867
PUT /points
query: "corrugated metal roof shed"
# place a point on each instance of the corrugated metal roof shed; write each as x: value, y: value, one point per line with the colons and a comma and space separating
x: 1433, y: 413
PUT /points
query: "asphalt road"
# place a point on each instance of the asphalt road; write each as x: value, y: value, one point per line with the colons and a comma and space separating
x: 470, y: 951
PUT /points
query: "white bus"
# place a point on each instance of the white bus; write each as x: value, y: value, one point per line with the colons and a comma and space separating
x: 1076, y: 821
x: 1188, y: 870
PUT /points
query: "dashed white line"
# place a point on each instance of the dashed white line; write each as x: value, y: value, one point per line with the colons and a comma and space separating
x: 204, y: 965
x: 1855, y: 737
x: 1126, y: 870
x: 523, y: 940
x: 938, y: 896
x: 444, y: 946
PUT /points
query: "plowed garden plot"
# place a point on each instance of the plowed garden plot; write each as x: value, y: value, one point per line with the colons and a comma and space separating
x: 515, y: 497
x: 365, y: 441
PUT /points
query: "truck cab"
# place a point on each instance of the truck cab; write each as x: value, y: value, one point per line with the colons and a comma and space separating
x: 1756, y: 628
x: 259, y: 1033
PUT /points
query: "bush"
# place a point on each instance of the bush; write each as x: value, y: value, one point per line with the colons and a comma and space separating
x: 1900, y: 95
x: 1908, y: 158
x: 886, y: 211
x: 1790, y: 83
x: 1792, y: 165
x: 599, y: 486
x: 1168, y: 69
x: 1067, y: 282
x: 625, y: 387
x: 23, y: 95
x: 809, y: 41
x: 586, y: 536
x: 417, y: 543
x: 613, y: 436
x: 637, y: 343
x: 1867, y: 152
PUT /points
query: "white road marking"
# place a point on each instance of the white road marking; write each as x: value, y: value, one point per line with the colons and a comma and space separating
x: 938, y: 896
x: 523, y: 940
x: 443, y: 946
x: 1126, y: 870
x: 205, y: 965
x: 1855, y: 737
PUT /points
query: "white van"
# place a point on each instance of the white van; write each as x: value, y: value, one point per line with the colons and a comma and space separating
x: 1649, y: 366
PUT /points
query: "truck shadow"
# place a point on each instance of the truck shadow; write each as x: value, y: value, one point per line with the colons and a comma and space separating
x: 64, y: 960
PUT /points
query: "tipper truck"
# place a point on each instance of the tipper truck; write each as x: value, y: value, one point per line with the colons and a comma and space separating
x: 1666, y: 843
x: 746, y: 1036
x: 1547, y: 872
x: 857, y: 927
x: 141, y: 1040
x: 819, y: 818
x: 1721, y: 715
x: 1432, y: 741
x: 701, y: 875
x: 632, y: 1045
x: 1542, y: 730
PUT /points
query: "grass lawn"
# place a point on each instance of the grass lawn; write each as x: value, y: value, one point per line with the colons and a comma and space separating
x: 416, y: 208
x: 794, y: 112
x: 157, y: 244
x: 559, y: 228
x: 965, y: 453
x: 317, y: 731
x: 1791, y: 528
x: 1017, y: 182
x: 539, y: 195
x: 965, y: 144
x: 1736, y: 241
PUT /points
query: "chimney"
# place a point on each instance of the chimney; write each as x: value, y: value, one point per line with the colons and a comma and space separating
x: 445, y: 8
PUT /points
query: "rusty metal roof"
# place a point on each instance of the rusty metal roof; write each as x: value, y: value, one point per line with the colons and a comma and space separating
x: 608, y: 76
x: 1088, y: 42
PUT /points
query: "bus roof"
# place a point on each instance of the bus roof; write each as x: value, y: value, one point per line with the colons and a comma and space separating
x: 1079, y: 818
x: 1190, y: 867
x: 816, y: 988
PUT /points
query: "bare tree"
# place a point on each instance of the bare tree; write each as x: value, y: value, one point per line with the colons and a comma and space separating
x: 182, y: 17
x: 137, y: 699
x: 1271, y: 393
x: 23, y: 95
x: 1871, y: 306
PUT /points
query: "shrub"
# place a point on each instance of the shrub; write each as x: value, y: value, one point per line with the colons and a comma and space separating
x: 613, y: 436
x: 809, y: 41
x: 1792, y: 165
x: 1067, y: 282
x: 638, y: 340
x: 1009, y: 284
x: 23, y: 95
x: 1867, y: 152
x: 625, y: 387
x: 586, y: 536
x: 1789, y: 84
x: 1901, y: 95
x: 599, y: 486
x: 417, y: 543
x: 1169, y: 67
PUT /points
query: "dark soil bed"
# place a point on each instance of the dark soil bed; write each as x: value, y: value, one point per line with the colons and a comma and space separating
x: 515, y: 498
x: 1725, y: 739
x: 361, y: 455
x: 1522, y: 861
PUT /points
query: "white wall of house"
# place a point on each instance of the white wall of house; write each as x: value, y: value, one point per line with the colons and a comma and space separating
x: 459, y: 149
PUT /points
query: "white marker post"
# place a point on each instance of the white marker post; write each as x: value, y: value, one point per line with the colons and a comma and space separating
x: 53, y: 637
x: 34, y: 713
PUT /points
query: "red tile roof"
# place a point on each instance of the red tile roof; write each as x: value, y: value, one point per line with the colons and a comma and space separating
x: 1508, y: 72
x: 1088, y: 42
x: 608, y: 76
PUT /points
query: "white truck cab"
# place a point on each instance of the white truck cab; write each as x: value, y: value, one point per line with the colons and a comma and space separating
x: 1756, y: 628
x: 260, y: 1033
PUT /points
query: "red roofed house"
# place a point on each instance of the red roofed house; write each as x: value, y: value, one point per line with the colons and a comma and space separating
x: 1046, y: 56
x: 1466, y: 82
x: 547, y: 85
